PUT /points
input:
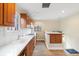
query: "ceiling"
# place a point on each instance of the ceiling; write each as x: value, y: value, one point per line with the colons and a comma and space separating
x: 55, y: 11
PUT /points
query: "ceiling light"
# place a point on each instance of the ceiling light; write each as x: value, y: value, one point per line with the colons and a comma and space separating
x: 62, y: 11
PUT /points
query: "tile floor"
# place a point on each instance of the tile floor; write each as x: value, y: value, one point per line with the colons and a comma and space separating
x: 41, y: 50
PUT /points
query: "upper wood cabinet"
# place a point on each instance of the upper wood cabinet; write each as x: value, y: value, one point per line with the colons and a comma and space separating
x: 23, y: 20
x: 7, y: 14
x: 29, y: 20
x: 1, y: 13
x: 23, y: 15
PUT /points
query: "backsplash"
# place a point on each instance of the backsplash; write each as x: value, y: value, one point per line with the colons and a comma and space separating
x: 7, y: 35
x: 2, y: 33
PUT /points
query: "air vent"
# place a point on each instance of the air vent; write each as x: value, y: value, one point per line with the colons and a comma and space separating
x: 45, y: 5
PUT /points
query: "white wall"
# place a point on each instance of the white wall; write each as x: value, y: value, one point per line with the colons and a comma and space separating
x: 70, y: 27
x: 48, y: 25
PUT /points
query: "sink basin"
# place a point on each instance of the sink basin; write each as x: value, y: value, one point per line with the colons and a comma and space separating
x: 23, y: 39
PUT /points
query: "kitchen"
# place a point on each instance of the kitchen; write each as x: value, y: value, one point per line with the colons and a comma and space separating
x: 23, y: 28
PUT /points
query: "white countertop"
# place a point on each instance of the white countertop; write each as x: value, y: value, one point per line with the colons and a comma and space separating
x: 53, y: 32
x: 14, y: 48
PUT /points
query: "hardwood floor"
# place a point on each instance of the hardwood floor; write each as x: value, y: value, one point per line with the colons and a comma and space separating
x: 41, y: 50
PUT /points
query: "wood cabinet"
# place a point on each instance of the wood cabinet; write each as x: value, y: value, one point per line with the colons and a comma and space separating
x: 29, y: 20
x: 28, y: 49
x: 25, y: 20
x: 1, y: 13
x: 23, y: 15
x: 7, y: 14
x: 55, y: 38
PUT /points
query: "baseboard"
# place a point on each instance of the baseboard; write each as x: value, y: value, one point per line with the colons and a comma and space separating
x: 40, y: 41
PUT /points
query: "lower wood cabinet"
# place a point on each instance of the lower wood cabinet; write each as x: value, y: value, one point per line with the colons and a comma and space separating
x: 28, y: 50
x: 21, y: 53
x: 55, y: 38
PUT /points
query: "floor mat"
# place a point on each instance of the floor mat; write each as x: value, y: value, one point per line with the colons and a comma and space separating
x: 72, y: 51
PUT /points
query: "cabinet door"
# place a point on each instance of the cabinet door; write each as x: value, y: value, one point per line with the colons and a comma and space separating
x: 21, y: 53
x: 55, y: 38
x: 58, y: 38
x: 23, y: 23
x: 52, y: 38
x: 23, y: 20
x: 1, y: 13
x: 29, y: 48
x: 29, y: 20
x: 9, y: 14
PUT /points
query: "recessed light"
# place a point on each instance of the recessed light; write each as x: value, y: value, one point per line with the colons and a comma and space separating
x: 62, y: 11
